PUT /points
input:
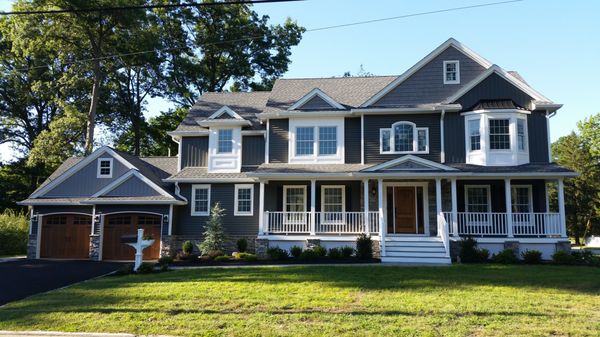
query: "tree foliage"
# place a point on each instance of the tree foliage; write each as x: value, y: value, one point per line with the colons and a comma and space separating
x: 214, y: 233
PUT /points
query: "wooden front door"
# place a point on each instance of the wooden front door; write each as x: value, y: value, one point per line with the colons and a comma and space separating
x: 118, y: 225
x: 405, y: 210
x: 66, y: 236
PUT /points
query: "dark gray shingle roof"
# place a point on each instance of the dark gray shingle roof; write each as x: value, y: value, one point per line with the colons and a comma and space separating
x: 202, y: 173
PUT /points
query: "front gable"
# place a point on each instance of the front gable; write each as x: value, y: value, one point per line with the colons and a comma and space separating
x: 409, y: 163
x: 316, y: 99
x: 131, y: 184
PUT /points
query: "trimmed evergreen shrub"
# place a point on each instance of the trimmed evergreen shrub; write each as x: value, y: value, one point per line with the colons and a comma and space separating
x: 276, y: 253
x: 562, y: 257
x: 188, y: 247
x: 165, y: 260
x: 320, y: 251
x: 506, y: 256
x: 364, y: 247
x: 334, y: 253
x: 214, y: 234
x: 482, y: 254
x: 296, y: 251
x: 242, y: 245
x: 222, y: 258
x: 532, y: 256
x: 308, y: 254
x: 469, y: 253
x: 347, y: 251
x: 146, y: 268
x: 249, y: 257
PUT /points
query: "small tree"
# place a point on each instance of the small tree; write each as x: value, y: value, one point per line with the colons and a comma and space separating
x: 214, y: 234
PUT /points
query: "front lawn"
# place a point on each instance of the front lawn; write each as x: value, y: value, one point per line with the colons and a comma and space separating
x: 474, y: 300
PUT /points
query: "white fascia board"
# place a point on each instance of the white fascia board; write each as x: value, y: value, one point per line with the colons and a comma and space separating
x: 411, y: 175
x: 551, y: 107
x: 83, y: 163
x: 223, y: 122
x: 227, y: 110
x: 128, y: 176
x: 211, y: 180
x: 134, y: 202
x: 495, y: 69
x: 188, y: 133
x: 437, y: 51
x: 496, y: 111
x: 298, y: 113
x: 412, y: 158
x: 48, y: 203
x: 433, y: 108
x: 313, y: 93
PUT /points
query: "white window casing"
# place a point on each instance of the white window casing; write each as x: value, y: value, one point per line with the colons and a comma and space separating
x: 222, y: 157
x: 313, y: 140
x: 451, y: 72
x: 471, y: 205
x: 518, y: 205
x: 105, y: 168
x: 292, y: 206
x: 248, y: 199
x: 200, y: 205
x: 333, y: 204
x: 387, y: 139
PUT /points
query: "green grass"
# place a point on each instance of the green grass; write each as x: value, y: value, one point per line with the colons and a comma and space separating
x: 462, y: 300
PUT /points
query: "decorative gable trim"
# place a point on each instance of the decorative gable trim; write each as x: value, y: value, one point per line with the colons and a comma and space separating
x: 225, y: 110
x: 213, y: 120
x: 449, y: 43
x: 495, y: 69
x: 83, y: 163
x: 127, y: 176
x: 408, y: 159
x: 313, y: 93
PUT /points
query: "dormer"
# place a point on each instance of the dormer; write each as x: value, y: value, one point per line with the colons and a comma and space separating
x: 316, y: 99
x: 224, y: 140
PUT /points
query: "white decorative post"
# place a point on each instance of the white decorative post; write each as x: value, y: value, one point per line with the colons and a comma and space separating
x: 508, y: 203
x: 261, y: 209
x: 139, y: 247
x: 313, y: 188
x: 382, y: 227
x: 366, y: 205
x: 561, y: 208
x: 454, y: 207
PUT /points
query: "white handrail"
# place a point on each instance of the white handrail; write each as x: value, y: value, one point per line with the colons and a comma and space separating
x: 496, y: 224
x: 325, y: 222
x: 443, y: 232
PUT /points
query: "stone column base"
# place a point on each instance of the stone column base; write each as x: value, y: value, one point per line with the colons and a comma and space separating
x: 166, y: 245
x: 260, y: 247
x: 376, y: 246
x: 514, y: 245
x: 563, y: 245
x: 32, y: 246
x: 312, y: 243
x: 95, y: 247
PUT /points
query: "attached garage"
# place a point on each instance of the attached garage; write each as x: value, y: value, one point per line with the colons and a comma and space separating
x: 66, y: 236
x: 118, y: 225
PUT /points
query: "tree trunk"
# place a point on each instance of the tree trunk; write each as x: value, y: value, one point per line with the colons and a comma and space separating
x: 91, y: 117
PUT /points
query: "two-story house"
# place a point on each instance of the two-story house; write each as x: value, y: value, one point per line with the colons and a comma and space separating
x: 456, y: 146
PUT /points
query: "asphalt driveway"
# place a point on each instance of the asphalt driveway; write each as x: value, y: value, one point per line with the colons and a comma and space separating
x: 22, y: 278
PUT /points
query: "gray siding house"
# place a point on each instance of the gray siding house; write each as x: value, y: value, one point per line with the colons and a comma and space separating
x: 454, y: 147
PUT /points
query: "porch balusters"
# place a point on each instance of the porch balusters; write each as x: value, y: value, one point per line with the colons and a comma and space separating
x: 454, y: 220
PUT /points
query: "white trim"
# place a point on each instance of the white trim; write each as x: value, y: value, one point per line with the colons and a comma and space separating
x: 99, y: 168
x: 313, y: 93
x: 415, y: 184
x: 126, y: 177
x: 362, y: 139
x: 67, y: 212
x: 450, y: 42
x: 209, y: 180
x: 101, y: 246
x: 170, y: 228
x: 323, y: 187
x: 267, y: 141
x: 315, y: 157
x: 227, y: 110
x: 197, y: 133
x: 412, y: 158
x: 399, y: 174
x: 442, y: 141
x: 75, y: 168
x: 236, y: 212
x: 38, y: 244
x: 488, y: 196
x: 285, y: 188
x: 179, y: 142
x: 224, y: 122
x: 227, y: 162
x: 133, y: 202
x: 502, y: 73
x: 415, y: 141
x: 445, y: 71
x: 135, y: 212
x: 193, y: 197
x: 529, y: 196
x: 550, y: 159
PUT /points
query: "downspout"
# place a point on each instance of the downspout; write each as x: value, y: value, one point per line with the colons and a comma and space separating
x: 443, y: 151
x: 178, y: 192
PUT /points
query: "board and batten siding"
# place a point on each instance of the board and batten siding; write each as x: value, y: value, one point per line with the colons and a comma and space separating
x: 537, y: 132
x: 494, y: 87
x: 194, y: 151
x: 278, y: 140
x: 454, y: 137
x: 352, y: 140
x: 373, y: 123
x: 427, y: 84
x: 497, y: 193
x: 253, y: 150
x: 225, y: 195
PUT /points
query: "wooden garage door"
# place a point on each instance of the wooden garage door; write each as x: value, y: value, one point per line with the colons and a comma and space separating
x: 117, y: 225
x: 66, y: 236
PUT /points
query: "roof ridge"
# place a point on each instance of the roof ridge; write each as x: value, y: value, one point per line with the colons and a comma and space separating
x: 334, y: 77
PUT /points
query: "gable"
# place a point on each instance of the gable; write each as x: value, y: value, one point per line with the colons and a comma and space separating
x: 494, y: 87
x: 316, y: 99
x: 426, y: 85
x: 132, y: 187
x: 316, y: 103
x: 409, y: 163
x: 410, y: 166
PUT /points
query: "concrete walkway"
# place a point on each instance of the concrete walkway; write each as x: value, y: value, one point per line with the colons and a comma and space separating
x: 70, y: 334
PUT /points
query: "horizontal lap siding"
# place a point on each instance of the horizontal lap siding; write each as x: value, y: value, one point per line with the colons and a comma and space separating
x: 133, y: 187
x: 352, y: 142
x: 278, y: 140
x: 224, y: 194
x: 253, y: 150
x: 372, y: 125
x: 194, y: 152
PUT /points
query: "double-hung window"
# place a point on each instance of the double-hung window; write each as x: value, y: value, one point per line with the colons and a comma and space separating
x: 451, y: 72
x: 105, y: 166
x: 404, y: 137
x: 325, y: 143
x: 200, y: 200
x: 327, y: 140
x: 521, y: 208
x: 521, y: 140
x: 477, y: 199
x: 333, y: 204
x: 225, y: 141
x: 294, y: 204
x: 499, y: 134
x: 305, y: 138
x: 474, y: 135
x: 244, y: 200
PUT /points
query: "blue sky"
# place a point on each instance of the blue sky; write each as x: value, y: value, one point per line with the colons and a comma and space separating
x: 554, y: 45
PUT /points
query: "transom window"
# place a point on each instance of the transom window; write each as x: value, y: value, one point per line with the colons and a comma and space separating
x: 326, y: 141
x: 451, y: 72
x: 499, y: 134
x: 521, y: 199
x: 200, y: 200
x: 244, y: 199
x: 225, y: 141
x: 404, y: 137
x: 105, y: 168
x: 474, y: 135
x: 477, y: 199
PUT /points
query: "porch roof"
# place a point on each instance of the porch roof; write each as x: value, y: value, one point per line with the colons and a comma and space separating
x: 201, y: 174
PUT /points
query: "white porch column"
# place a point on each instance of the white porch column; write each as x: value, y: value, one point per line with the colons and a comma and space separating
x: 261, y: 209
x: 366, y: 205
x: 438, y: 196
x: 508, y: 203
x: 313, y: 188
x: 454, y: 207
x: 561, y: 208
x: 382, y: 227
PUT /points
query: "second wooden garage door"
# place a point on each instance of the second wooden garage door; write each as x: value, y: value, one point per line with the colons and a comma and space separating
x: 117, y: 225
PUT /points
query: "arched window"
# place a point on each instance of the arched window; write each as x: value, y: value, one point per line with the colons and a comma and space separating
x: 404, y: 137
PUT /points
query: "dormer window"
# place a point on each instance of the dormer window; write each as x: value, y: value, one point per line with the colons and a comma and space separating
x: 225, y: 141
x: 404, y: 137
x: 451, y: 72
x: 105, y: 166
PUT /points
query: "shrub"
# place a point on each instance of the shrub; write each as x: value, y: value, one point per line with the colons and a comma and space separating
x: 585, y: 257
x: 506, y: 256
x: 124, y: 270
x: 364, y: 247
x: 14, y: 232
x: 532, y: 256
x: 482, y: 254
x: 296, y: 251
x: 308, y: 254
x: 146, y: 268
x: 335, y: 253
x: 320, y: 251
x: 214, y: 254
x: 187, y: 247
x: 242, y: 245
x: 563, y: 257
x: 222, y: 258
x: 347, y: 251
x: 165, y: 260
x: 276, y: 253
x: 241, y: 256
x: 214, y: 234
x: 249, y: 257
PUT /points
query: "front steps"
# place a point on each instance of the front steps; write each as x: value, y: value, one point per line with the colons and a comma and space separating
x: 415, y: 249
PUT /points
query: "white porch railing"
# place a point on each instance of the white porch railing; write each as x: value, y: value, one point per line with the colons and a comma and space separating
x: 496, y: 224
x: 325, y: 222
x: 444, y: 232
